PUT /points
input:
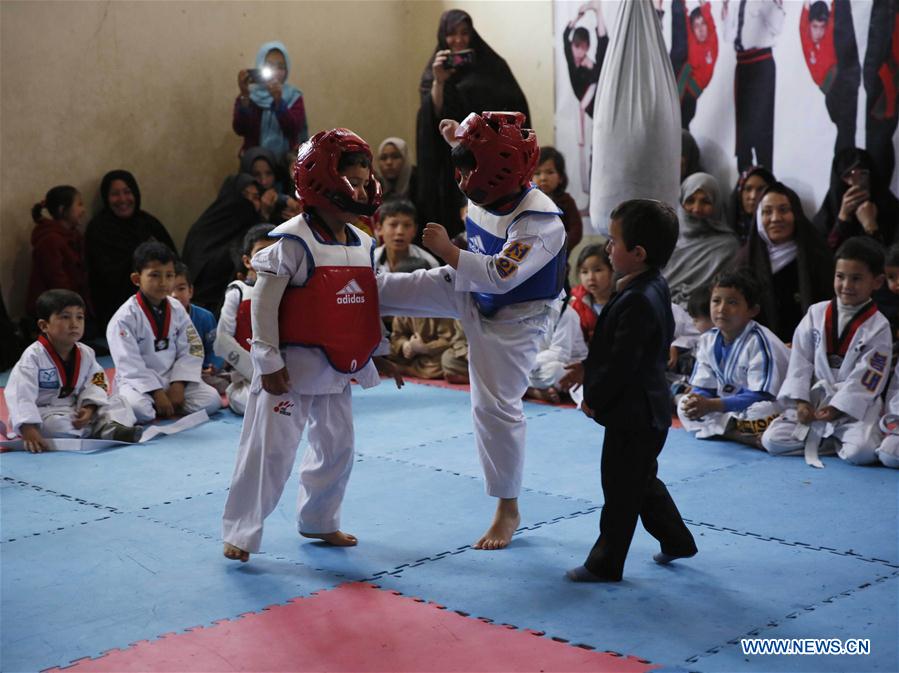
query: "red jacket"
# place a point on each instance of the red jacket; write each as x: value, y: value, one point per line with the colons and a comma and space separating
x: 821, y: 58
x: 247, y: 122
x: 885, y: 106
x: 702, y: 55
x: 57, y: 261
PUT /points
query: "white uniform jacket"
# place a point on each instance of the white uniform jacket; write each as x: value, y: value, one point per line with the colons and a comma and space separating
x: 36, y: 382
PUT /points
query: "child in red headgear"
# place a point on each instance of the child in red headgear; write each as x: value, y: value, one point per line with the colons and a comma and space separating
x: 504, y: 289
x: 315, y: 326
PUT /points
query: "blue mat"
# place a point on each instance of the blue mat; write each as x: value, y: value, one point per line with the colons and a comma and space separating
x: 670, y: 615
x: 402, y: 514
x: 124, y: 545
x: 866, y: 611
x: 91, y: 588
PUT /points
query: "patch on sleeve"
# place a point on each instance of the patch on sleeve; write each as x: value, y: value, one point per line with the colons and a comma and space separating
x: 505, y: 267
x: 99, y: 380
x: 195, y: 343
x: 516, y: 251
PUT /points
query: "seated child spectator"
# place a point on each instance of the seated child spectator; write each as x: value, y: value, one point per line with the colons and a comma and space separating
x: 454, y: 360
x: 887, y: 297
x: 57, y: 246
x: 686, y: 335
x: 740, y: 366
x: 551, y: 178
x: 561, y: 345
x: 234, y: 331
x: 157, y: 353
x: 417, y: 344
x: 888, y: 451
x: 204, y: 323
x: 397, y: 229
x: 839, y: 365
x: 57, y: 389
x: 587, y: 299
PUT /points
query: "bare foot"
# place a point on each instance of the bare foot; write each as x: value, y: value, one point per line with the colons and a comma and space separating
x: 236, y: 553
x: 338, y: 538
x: 505, y: 523
x: 550, y: 394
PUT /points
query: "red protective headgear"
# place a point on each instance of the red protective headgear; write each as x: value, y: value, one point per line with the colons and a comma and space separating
x: 504, y: 152
x: 319, y: 185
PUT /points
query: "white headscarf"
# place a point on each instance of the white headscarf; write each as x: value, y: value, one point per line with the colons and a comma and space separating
x: 398, y: 188
x: 780, y: 254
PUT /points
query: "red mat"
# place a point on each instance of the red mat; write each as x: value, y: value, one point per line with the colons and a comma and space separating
x: 357, y: 627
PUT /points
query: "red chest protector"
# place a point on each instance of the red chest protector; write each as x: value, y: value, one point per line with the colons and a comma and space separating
x: 337, y: 309
x: 243, y: 328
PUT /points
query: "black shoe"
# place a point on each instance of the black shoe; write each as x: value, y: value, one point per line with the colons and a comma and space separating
x: 121, y: 433
x: 664, y: 559
x: 581, y: 574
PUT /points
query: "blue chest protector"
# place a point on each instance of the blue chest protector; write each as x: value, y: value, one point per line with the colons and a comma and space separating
x: 487, y: 235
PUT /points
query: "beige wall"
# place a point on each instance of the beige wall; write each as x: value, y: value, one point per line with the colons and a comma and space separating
x: 148, y: 86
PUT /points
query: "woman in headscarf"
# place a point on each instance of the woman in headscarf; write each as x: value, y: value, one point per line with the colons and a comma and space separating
x: 858, y: 203
x: 276, y: 205
x: 111, y: 239
x: 705, y: 245
x: 269, y: 111
x: 393, y: 166
x: 463, y: 75
x: 789, y: 258
x: 211, y: 246
x: 744, y: 200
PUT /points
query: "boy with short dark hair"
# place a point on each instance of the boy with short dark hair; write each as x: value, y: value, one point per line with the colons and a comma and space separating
x: 503, y: 289
x: 839, y: 365
x: 397, y: 229
x: 235, y: 331
x: 157, y: 353
x: 203, y: 319
x: 740, y: 366
x: 57, y: 389
x: 625, y: 390
x: 315, y: 327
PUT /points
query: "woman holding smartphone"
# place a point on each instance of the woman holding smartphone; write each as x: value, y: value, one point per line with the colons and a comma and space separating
x: 269, y: 112
x: 462, y: 76
x: 858, y: 203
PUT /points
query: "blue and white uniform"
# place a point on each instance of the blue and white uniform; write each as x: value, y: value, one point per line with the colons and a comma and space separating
x: 840, y: 358
x: 503, y: 293
x: 746, y: 374
x: 319, y: 393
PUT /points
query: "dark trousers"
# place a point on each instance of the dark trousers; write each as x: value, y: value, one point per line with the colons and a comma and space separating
x: 754, y: 82
x: 631, y: 489
x: 842, y: 97
x: 879, y: 128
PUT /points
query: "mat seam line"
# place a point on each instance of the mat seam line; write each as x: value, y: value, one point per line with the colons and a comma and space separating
x: 774, y: 623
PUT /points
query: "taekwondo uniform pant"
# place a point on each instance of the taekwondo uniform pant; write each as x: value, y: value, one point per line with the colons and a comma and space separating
x: 197, y: 396
x: 751, y: 421
x: 501, y: 354
x: 856, y: 440
x: 238, y: 393
x: 57, y: 421
x: 272, y: 428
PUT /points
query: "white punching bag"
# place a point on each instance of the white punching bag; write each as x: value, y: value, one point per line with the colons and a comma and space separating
x: 636, y: 119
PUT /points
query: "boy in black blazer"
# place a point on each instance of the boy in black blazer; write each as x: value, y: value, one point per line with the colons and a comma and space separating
x: 625, y: 391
